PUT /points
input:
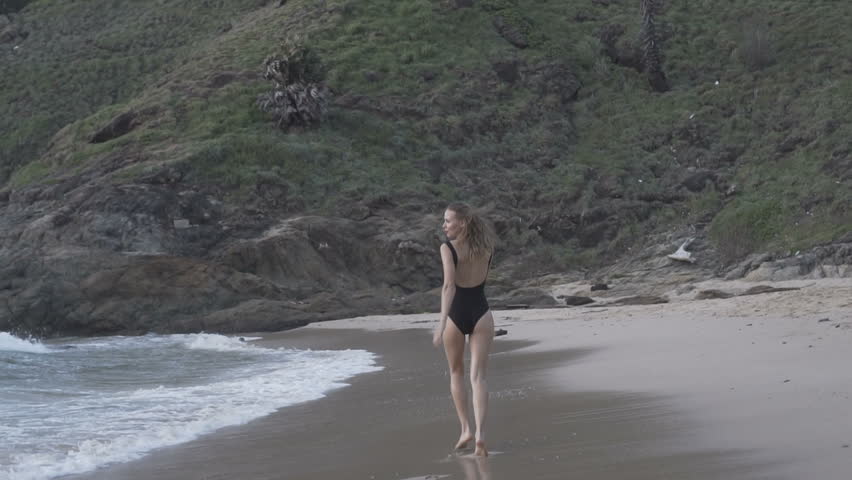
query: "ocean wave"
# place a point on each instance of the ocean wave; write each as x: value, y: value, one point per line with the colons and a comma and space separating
x: 124, y: 426
x: 11, y: 343
x: 221, y: 343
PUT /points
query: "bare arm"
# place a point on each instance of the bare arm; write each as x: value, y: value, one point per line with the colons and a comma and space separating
x: 448, y: 291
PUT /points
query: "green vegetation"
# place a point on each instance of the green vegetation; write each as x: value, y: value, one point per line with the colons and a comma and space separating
x: 12, y: 6
x: 758, y: 97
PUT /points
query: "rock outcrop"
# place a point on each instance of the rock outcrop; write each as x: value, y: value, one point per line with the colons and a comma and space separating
x: 107, y: 259
x: 828, y: 261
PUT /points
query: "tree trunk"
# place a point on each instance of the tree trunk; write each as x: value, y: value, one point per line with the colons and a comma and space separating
x: 650, y: 41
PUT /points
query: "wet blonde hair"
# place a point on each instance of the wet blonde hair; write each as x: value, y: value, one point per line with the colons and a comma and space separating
x: 478, y: 234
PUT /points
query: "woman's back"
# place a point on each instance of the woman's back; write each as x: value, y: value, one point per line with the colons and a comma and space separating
x: 470, y: 272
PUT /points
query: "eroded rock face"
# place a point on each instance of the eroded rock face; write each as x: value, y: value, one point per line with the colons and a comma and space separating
x: 830, y: 261
x: 168, y: 257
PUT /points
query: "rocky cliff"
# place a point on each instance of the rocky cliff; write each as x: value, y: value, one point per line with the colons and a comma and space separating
x: 143, y: 190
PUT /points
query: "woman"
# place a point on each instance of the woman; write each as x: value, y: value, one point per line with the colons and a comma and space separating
x: 466, y: 257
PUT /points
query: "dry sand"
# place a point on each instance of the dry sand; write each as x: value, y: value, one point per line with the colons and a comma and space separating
x: 742, y: 388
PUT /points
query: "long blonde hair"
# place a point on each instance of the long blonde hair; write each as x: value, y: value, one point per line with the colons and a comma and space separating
x: 478, y: 234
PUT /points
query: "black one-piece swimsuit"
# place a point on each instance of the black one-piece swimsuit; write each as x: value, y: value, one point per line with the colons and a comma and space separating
x: 469, y: 303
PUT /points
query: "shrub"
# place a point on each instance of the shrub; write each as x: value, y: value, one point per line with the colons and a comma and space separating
x: 756, y: 50
x: 746, y: 227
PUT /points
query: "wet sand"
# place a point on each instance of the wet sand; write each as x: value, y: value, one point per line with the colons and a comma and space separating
x: 743, y: 388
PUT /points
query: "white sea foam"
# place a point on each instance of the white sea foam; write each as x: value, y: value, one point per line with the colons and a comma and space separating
x: 11, y: 343
x: 210, y: 341
x: 82, y: 432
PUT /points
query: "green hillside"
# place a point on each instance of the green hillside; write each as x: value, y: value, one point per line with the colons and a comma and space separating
x: 750, y: 145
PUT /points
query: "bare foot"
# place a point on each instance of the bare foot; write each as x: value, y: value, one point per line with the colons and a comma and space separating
x: 480, y: 451
x: 463, y: 439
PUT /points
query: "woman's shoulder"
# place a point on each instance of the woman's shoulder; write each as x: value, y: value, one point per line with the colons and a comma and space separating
x: 451, y: 249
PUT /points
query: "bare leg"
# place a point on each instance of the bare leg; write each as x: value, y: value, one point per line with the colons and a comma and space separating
x: 454, y: 348
x: 480, y: 346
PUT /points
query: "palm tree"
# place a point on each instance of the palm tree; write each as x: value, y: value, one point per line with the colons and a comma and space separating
x: 650, y: 40
x: 300, y: 96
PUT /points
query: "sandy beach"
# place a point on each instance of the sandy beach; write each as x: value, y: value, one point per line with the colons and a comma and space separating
x: 748, y: 387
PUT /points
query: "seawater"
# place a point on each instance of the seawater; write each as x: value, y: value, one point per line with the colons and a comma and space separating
x: 72, y: 406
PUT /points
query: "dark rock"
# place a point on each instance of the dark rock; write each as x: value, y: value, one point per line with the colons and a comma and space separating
x: 667, y: 197
x: 257, y: 315
x: 576, y: 300
x: 167, y: 175
x: 758, y: 289
x: 596, y: 234
x: 118, y: 126
x: 599, y: 286
x: 791, y: 143
x: 712, y: 294
x: 507, y: 70
x: 510, y: 32
x: 422, y: 302
x: 355, y: 211
x: 372, y: 76
x: 749, y: 264
x: 9, y: 33
x: 500, y: 332
x: 221, y: 79
x: 272, y: 193
x: 428, y: 75
x: 639, y: 300
x: 531, y: 297
x: 821, y: 320
x: 839, y: 165
x: 553, y: 78
x: 627, y: 55
x: 609, y: 187
x: 555, y: 226
x: 724, y: 155
x: 697, y: 181
x: 316, y: 254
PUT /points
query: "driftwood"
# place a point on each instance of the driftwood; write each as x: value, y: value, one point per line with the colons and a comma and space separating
x: 299, y: 96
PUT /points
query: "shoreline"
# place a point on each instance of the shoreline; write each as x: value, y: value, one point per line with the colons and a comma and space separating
x: 687, y: 390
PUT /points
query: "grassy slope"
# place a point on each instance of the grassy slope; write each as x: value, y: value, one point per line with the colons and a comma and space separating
x: 521, y: 149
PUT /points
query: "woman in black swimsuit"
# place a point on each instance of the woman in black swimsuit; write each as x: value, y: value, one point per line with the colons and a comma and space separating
x: 466, y: 258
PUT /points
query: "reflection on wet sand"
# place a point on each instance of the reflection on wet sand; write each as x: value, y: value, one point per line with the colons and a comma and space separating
x: 474, y: 467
